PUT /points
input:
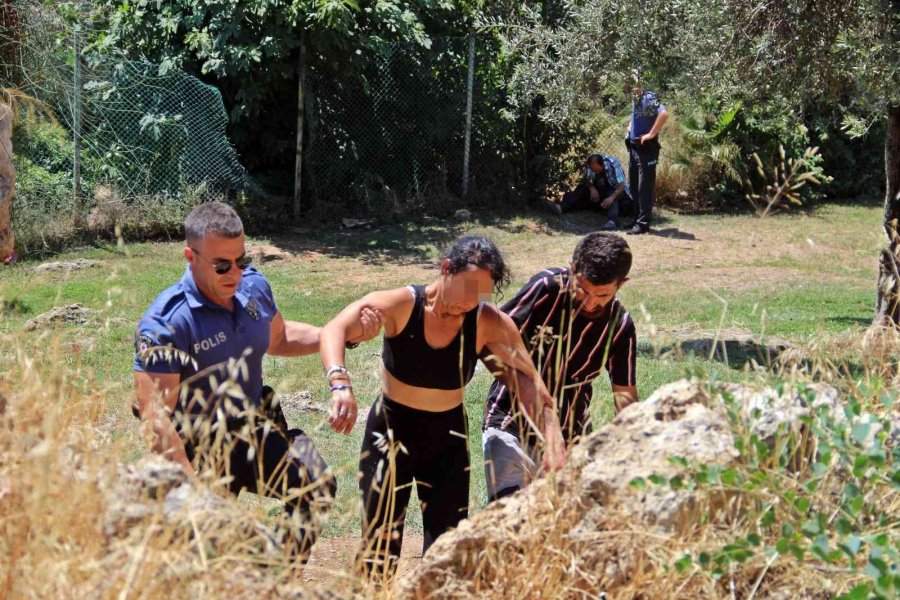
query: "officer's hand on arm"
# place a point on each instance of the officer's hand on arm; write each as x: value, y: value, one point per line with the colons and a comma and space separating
x: 293, y: 338
x: 157, y: 395
x: 371, y: 320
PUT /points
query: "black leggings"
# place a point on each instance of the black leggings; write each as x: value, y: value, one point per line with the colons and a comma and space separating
x: 434, y: 453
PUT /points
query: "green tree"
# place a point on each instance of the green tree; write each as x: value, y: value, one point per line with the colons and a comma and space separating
x: 257, y: 52
x: 775, y: 57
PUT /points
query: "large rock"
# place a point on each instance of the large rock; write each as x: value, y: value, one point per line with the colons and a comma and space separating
x: 605, y: 491
x: 263, y: 253
x: 155, y: 489
x: 68, y: 265
x: 734, y: 345
x: 71, y: 314
x: 303, y: 403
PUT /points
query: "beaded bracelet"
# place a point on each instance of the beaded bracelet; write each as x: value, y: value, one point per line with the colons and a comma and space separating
x: 334, y: 370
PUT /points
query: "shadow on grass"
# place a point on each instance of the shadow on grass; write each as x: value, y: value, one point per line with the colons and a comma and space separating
x: 413, y: 241
x: 734, y: 355
x: 862, y: 321
x: 673, y: 233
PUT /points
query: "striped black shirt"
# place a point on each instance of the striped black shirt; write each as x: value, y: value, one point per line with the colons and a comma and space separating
x: 568, y: 348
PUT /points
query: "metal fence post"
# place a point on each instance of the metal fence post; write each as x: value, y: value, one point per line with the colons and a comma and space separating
x: 76, y: 123
x: 469, y: 84
x: 301, y: 121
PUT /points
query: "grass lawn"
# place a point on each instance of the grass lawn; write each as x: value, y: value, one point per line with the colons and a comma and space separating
x: 793, y: 276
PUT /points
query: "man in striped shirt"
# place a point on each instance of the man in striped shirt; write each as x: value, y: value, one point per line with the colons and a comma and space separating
x: 574, y: 327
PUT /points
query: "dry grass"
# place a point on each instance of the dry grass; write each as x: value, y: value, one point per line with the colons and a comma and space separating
x: 59, y: 472
x: 549, y: 553
x: 59, y: 458
x: 58, y: 464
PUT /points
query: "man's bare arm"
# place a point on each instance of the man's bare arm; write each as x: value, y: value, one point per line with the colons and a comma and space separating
x: 661, y: 119
x: 157, y: 395
x: 507, y: 352
x: 292, y: 338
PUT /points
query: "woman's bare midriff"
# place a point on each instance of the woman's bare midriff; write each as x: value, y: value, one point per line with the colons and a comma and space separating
x: 427, y: 399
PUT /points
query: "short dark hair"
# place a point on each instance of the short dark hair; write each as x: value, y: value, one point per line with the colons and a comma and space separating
x: 595, y: 157
x: 212, y: 217
x: 481, y: 252
x: 602, y: 257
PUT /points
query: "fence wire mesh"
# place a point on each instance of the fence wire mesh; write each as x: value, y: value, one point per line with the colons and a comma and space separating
x: 121, y: 127
x: 129, y: 129
x: 398, y: 128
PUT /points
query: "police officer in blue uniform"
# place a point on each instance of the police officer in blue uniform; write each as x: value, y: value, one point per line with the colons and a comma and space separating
x: 648, y: 115
x: 199, y: 382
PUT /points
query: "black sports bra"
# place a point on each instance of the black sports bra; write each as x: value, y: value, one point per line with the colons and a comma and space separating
x: 409, y: 358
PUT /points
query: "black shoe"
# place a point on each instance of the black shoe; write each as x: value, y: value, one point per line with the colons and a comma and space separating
x: 638, y: 230
x: 629, y: 225
x: 554, y: 207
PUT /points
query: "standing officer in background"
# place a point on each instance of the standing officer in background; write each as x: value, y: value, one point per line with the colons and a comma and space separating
x: 648, y: 115
x: 199, y: 383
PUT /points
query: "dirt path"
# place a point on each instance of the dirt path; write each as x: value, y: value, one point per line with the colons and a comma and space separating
x: 332, y: 558
x: 739, y: 251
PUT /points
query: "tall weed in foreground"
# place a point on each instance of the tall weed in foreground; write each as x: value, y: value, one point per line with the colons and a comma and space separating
x: 59, y: 468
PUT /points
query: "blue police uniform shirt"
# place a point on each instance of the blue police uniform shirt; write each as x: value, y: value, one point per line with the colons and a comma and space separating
x: 643, y: 114
x: 209, y: 337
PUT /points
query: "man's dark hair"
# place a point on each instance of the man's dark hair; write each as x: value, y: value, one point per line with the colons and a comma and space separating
x: 602, y: 257
x: 481, y: 252
x: 212, y: 217
x: 598, y: 158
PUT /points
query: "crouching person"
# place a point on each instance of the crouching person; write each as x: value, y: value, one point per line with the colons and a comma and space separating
x: 199, y: 382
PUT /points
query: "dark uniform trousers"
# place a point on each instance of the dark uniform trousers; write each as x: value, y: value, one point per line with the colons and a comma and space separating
x: 261, y: 455
x: 642, y: 160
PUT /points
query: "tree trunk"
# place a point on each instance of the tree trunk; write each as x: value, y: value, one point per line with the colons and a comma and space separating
x: 887, y: 309
x: 7, y: 186
x: 301, y: 118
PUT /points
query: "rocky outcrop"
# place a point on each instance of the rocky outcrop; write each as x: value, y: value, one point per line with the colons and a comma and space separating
x: 263, y: 253
x: 607, y: 483
x: 68, y: 265
x: 158, y: 489
x: 734, y: 345
x: 74, y: 314
x: 303, y: 403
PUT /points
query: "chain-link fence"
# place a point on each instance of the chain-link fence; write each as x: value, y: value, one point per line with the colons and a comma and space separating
x: 98, y: 132
x: 122, y: 124
x: 416, y: 127
x: 398, y: 129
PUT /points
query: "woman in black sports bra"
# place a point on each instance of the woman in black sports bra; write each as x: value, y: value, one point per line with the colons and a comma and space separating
x: 416, y: 430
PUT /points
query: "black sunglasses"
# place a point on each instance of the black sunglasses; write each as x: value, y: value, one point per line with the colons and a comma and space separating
x: 223, y: 265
